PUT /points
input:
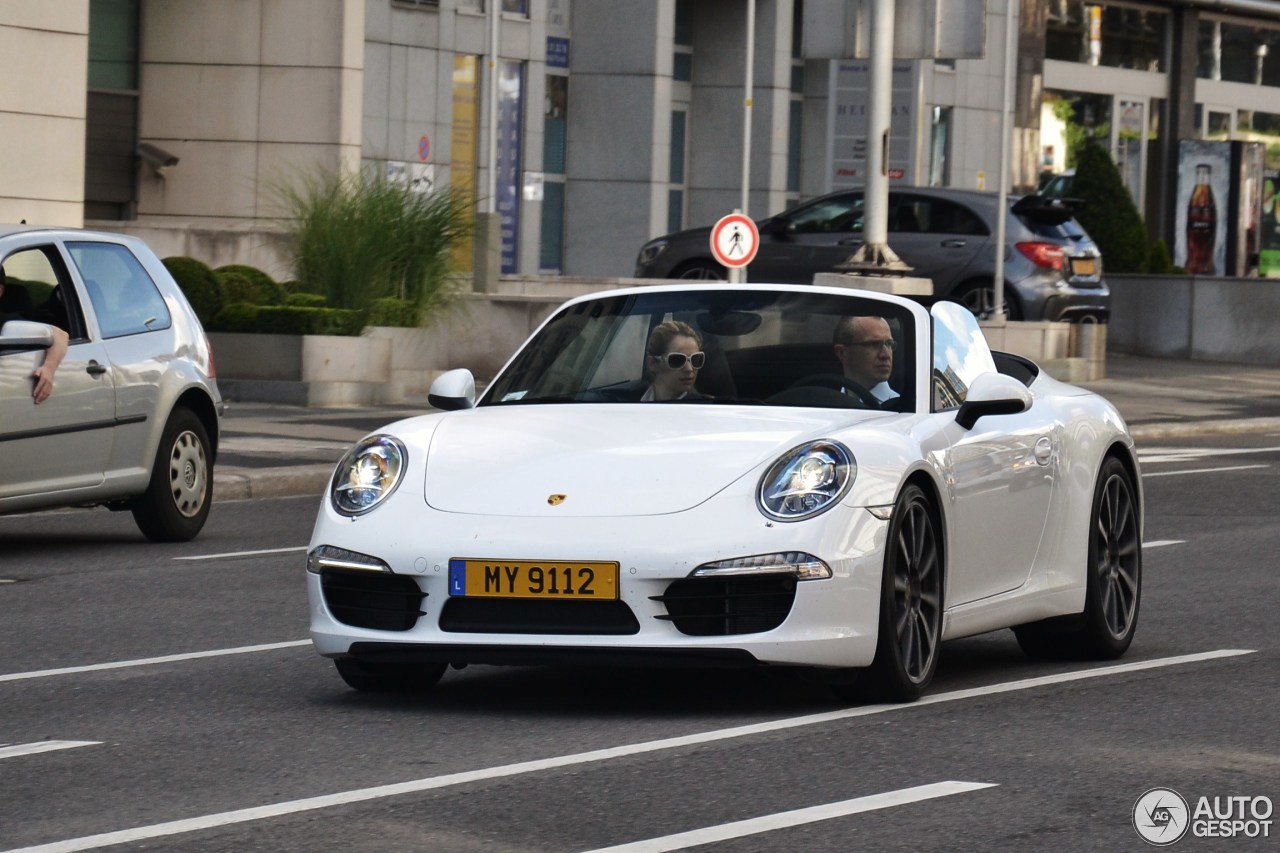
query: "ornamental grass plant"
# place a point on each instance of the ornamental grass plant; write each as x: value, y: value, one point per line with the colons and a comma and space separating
x: 358, y: 239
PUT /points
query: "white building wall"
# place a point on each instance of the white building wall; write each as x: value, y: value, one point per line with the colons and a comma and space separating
x: 42, y: 110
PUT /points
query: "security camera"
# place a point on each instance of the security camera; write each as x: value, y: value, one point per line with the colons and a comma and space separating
x: 156, y: 157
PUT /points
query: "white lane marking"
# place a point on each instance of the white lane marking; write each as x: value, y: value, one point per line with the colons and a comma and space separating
x: 1202, y: 470
x: 43, y: 746
x: 431, y: 783
x: 799, y: 817
x: 1160, y: 543
x: 243, y: 553
x: 1182, y: 454
x: 124, y: 664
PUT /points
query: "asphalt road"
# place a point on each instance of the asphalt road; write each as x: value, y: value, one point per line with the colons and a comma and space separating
x: 165, y: 698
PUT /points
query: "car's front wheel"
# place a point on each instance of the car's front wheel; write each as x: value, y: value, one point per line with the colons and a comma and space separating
x: 910, y: 632
x: 177, y: 500
x: 380, y: 677
x: 1113, y: 587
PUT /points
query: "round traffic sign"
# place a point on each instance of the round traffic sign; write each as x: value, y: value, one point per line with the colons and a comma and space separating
x: 734, y: 240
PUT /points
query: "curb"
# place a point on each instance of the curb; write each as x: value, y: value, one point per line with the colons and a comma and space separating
x: 1147, y: 432
x: 238, y: 484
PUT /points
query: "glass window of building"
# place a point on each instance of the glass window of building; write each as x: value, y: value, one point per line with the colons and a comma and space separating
x: 1113, y: 35
x: 940, y: 147
x: 1238, y: 54
x: 676, y: 176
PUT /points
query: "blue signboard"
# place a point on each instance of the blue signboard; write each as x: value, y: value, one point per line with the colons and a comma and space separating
x: 557, y: 52
x: 510, y: 110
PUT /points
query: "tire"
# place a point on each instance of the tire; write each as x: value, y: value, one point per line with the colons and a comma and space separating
x: 177, y: 500
x: 980, y: 298
x: 1113, y: 589
x: 372, y: 677
x: 700, y: 271
x: 910, y: 630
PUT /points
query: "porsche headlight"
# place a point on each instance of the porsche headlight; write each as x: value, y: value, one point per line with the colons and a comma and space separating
x: 368, y: 474
x: 806, y: 481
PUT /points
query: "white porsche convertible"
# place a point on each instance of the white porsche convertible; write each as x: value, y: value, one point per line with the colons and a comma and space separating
x: 780, y: 475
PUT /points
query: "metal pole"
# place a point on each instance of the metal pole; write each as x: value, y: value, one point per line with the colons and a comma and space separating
x: 880, y: 109
x: 1002, y: 205
x: 737, y: 275
x: 492, y: 205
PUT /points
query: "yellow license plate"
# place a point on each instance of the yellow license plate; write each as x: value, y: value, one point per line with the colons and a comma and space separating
x: 1084, y: 266
x: 562, y: 580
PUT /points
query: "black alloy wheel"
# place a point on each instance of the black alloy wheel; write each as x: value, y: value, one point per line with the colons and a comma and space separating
x: 1113, y: 592
x: 980, y: 299
x: 910, y: 633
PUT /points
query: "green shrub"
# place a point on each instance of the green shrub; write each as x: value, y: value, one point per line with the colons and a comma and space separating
x: 289, y: 320
x: 264, y: 288
x: 1158, y: 260
x: 305, y: 300
x: 239, y: 288
x: 390, y: 311
x: 199, y: 284
x: 296, y: 286
x: 359, y: 240
x: 1109, y: 214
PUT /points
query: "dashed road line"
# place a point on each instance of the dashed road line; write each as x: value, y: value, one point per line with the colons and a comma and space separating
x: 1202, y: 470
x: 798, y: 817
x: 125, y: 664
x: 16, y: 750
x: 231, y: 554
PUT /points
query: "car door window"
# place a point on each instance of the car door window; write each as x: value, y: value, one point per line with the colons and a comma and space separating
x: 912, y: 214
x: 841, y: 214
x: 123, y: 295
x: 37, y: 289
x: 960, y: 354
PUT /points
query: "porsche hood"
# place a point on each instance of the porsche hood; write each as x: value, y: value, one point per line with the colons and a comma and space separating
x: 606, y: 460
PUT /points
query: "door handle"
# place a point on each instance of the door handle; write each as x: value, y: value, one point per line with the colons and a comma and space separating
x: 1044, y: 450
x: 954, y: 244
x: 95, y: 369
x: 852, y: 241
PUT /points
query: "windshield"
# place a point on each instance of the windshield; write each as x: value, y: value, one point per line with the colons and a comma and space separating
x: 718, y: 346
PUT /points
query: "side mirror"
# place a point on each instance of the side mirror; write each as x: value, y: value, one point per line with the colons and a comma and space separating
x: 452, y: 390
x: 23, y: 334
x: 993, y: 394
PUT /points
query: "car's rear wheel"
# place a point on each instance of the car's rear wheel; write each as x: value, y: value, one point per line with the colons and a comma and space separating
x: 1114, y: 584
x: 177, y: 500
x: 378, y: 677
x: 910, y: 632
x: 699, y: 270
x: 980, y: 298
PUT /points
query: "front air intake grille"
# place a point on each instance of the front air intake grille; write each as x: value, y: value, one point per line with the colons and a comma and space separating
x: 519, y: 616
x: 378, y: 600
x: 719, y: 607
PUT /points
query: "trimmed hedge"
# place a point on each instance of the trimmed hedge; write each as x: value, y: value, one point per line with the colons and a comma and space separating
x: 305, y: 300
x: 289, y: 320
x: 199, y: 284
x: 1109, y: 214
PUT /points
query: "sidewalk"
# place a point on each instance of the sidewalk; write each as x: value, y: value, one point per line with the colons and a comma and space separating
x: 270, y: 450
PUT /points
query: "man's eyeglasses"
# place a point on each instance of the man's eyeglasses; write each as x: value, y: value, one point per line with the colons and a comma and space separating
x: 676, y: 360
x: 875, y: 345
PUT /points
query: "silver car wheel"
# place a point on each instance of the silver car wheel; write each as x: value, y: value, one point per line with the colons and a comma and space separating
x: 188, y: 474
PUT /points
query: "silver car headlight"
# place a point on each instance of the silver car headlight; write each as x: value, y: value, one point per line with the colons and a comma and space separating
x: 806, y: 480
x: 368, y: 474
x: 650, y: 251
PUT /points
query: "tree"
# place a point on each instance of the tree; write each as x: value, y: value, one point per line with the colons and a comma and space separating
x: 1109, y: 214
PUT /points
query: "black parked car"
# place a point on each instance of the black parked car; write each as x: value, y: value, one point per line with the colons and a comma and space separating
x: 1052, y: 269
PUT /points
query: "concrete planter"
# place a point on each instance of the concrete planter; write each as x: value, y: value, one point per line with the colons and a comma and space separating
x: 305, y: 370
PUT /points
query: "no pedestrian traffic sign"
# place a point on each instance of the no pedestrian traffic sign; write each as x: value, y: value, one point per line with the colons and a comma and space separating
x: 734, y: 240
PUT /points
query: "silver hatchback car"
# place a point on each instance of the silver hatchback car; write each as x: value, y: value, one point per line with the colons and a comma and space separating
x: 132, y: 420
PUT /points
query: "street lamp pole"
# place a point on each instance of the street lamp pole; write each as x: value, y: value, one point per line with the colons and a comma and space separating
x: 738, y: 274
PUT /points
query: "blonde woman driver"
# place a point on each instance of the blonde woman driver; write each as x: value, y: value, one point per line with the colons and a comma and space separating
x: 673, y: 358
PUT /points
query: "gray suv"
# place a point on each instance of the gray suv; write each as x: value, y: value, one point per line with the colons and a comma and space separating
x: 132, y: 422
x: 1052, y: 269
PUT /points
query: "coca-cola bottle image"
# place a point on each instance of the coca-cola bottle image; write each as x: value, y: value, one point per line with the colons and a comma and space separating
x: 1202, y: 224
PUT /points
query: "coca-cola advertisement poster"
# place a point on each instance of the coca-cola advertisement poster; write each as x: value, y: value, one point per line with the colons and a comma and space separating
x: 1204, y: 187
